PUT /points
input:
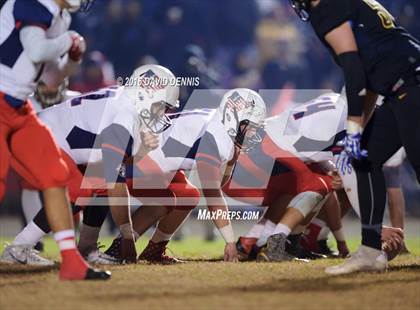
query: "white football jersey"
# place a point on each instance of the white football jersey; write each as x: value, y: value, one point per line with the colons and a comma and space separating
x: 192, y: 133
x: 17, y: 72
x: 307, y: 130
x: 76, y: 123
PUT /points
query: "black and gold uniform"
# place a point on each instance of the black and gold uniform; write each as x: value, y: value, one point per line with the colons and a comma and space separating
x: 387, y: 63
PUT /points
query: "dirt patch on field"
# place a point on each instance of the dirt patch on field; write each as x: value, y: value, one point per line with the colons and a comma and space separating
x: 216, y: 285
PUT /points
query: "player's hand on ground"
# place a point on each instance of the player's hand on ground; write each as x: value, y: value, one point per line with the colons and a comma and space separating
x: 231, y: 254
x: 392, y: 237
x: 128, y: 251
x: 342, y: 248
x: 78, y: 47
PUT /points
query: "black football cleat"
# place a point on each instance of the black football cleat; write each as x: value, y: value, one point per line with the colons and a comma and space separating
x: 114, y: 249
x: 326, y: 250
x: 295, y: 249
x: 96, y: 274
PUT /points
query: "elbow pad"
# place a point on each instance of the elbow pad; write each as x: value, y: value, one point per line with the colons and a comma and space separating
x: 355, y: 79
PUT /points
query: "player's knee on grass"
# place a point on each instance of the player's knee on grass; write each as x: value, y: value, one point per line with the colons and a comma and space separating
x: 307, y: 202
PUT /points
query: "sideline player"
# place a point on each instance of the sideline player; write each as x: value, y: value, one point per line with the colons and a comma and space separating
x: 377, y: 57
x: 201, y: 141
x: 107, y: 126
x: 34, y: 33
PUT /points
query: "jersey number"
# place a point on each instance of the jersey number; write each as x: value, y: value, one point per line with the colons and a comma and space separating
x: 304, y: 144
x: 93, y: 96
x: 79, y: 138
x: 386, y: 18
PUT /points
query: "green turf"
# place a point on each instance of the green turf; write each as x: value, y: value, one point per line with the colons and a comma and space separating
x: 198, y: 249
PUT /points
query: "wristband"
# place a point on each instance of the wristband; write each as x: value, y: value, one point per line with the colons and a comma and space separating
x: 227, y: 233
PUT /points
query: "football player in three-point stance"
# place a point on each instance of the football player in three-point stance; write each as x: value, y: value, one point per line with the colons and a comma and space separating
x: 109, y: 126
x: 288, y: 170
x: 309, y: 133
x: 200, y: 141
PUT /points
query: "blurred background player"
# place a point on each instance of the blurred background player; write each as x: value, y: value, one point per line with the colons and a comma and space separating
x: 35, y: 33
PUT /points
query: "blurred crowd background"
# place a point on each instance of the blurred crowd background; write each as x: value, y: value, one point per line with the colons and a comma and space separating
x: 259, y: 44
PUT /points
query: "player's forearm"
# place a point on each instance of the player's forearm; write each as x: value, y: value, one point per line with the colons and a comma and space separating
x: 39, y: 48
x: 217, y: 205
x: 369, y: 107
x: 355, y: 78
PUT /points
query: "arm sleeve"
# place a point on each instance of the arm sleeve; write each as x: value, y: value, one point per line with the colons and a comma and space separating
x: 355, y: 79
x: 116, y: 146
x: 39, y: 48
x: 329, y: 14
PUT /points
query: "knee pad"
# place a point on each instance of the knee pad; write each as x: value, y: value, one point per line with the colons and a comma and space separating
x: 307, y: 202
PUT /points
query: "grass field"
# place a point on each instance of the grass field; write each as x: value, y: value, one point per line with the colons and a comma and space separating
x: 201, y: 283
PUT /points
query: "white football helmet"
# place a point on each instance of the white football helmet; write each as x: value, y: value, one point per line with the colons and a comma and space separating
x: 79, y: 5
x: 153, y: 89
x: 243, y: 109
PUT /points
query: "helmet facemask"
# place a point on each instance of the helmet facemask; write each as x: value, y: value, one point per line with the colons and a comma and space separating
x: 302, y: 8
x: 156, y: 119
x: 48, y: 97
x: 242, y: 138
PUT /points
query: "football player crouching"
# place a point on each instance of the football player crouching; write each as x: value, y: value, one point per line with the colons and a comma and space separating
x: 200, y: 141
x: 127, y: 122
x: 289, y: 175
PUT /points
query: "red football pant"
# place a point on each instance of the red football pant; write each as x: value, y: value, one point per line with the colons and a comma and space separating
x: 179, y: 194
x: 29, y: 144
